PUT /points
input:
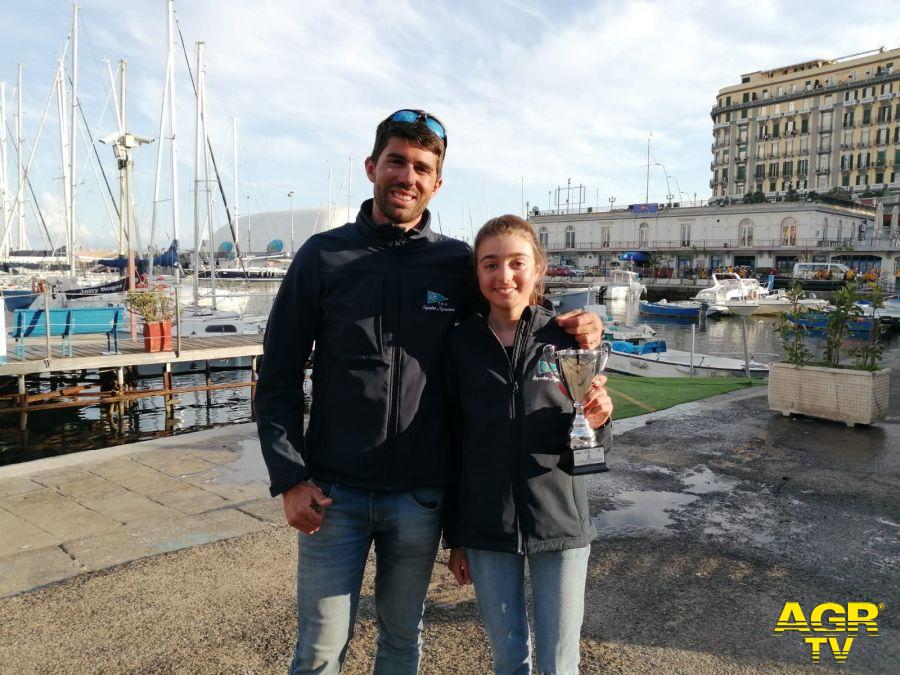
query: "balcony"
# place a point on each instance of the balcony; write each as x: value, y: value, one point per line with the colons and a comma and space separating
x: 719, y: 244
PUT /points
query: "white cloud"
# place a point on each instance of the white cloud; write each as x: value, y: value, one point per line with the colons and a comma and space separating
x: 526, y: 89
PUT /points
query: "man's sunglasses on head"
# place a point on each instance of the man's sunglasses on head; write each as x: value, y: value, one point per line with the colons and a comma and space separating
x: 412, y: 116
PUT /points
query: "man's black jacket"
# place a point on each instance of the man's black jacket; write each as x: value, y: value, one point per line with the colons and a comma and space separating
x: 378, y: 303
x: 510, y: 423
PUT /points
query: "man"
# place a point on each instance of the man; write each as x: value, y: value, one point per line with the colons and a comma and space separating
x: 377, y: 297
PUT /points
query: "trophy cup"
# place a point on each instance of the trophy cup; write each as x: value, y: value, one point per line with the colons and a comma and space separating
x: 576, y: 368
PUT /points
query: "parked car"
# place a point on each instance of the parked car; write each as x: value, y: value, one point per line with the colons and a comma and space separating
x: 559, y: 271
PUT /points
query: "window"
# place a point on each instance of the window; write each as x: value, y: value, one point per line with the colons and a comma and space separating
x: 867, y: 115
x: 788, y: 232
x: 802, y: 166
x: 825, y: 121
x: 643, y: 235
x: 745, y: 232
x: 685, y: 234
x: 775, y: 129
x: 760, y: 171
x: 604, y: 236
x: 845, y: 180
x: 570, y: 236
x: 847, y: 119
x: 884, y: 114
x: 880, y: 159
x: 222, y: 328
x: 787, y: 169
x: 773, y: 186
x: 544, y: 237
x: 746, y: 98
x: 773, y: 170
x: 825, y: 229
x: 742, y: 172
x: 804, y: 125
x: 846, y: 162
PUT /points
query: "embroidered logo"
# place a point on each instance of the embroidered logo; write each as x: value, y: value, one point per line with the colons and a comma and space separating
x: 546, y: 372
x: 435, y: 302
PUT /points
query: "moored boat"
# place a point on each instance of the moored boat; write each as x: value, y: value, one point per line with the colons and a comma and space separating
x: 652, y: 358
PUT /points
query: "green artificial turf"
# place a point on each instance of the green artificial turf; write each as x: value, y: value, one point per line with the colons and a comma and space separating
x: 640, y: 395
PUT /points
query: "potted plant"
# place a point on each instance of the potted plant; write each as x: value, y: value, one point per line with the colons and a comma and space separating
x: 851, y: 393
x: 155, y: 308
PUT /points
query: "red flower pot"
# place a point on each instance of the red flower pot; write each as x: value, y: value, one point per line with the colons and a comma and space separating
x: 165, y: 328
x: 152, y: 336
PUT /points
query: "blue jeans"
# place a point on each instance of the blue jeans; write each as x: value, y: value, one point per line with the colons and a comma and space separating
x: 557, y: 586
x: 406, y: 529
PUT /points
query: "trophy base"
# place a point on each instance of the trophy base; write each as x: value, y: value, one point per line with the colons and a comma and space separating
x: 583, y: 461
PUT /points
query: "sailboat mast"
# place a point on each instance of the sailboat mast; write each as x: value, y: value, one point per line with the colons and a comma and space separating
x: 63, y: 150
x: 197, y: 146
x: 201, y: 76
x: 20, y: 167
x: 236, y: 220
x: 4, y: 186
x: 170, y: 75
x: 73, y: 130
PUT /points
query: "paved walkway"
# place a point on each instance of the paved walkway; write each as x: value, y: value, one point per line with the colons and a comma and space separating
x: 88, y: 511
x: 712, y: 516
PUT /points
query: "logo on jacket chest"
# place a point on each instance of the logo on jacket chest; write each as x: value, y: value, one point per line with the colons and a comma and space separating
x: 546, y: 372
x: 435, y: 302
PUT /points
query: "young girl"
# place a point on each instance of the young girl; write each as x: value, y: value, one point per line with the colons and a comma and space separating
x: 512, y: 502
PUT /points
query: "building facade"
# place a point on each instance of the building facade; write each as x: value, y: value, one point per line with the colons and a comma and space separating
x: 810, y: 126
x: 756, y: 236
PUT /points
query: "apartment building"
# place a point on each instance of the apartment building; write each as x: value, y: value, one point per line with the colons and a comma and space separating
x: 810, y: 126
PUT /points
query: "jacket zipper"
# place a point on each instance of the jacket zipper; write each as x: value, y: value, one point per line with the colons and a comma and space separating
x: 394, y: 389
x: 523, y: 327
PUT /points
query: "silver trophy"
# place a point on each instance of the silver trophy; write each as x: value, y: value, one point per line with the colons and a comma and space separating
x: 577, y: 368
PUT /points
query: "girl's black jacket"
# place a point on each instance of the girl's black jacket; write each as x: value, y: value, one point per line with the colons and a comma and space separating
x: 510, y: 422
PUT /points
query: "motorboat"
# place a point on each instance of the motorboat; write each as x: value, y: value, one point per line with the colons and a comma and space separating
x: 681, y: 309
x: 727, y: 287
x: 587, y: 299
x: 653, y: 358
x: 779, y: 302
x: 817, y: 321
x: 625, y: 284
x: 888, y: 313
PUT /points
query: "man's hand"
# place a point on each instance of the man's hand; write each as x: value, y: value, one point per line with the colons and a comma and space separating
x: 584, y: 326
x: 304, y: 507
x: 459, y: 565
x: 598, y: 406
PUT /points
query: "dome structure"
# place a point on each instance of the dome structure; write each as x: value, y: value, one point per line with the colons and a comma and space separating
x: 264, y: 232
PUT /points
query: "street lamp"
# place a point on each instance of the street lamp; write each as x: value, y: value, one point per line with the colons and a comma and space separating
x: 612, y: 201
x: 291, y: 197
x: 669, y: 194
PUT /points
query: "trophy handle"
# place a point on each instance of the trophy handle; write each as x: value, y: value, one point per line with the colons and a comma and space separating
x: 606, y: 349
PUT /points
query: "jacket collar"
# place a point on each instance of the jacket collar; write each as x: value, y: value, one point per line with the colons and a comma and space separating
x: 389, y: 234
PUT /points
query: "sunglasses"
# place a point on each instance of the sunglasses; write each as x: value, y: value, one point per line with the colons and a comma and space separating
x: 430, y: 121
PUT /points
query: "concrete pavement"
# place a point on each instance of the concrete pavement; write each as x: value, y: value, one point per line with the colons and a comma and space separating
x: 714, y: 514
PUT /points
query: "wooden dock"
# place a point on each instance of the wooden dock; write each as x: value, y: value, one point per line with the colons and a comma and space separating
x: 90, y: 355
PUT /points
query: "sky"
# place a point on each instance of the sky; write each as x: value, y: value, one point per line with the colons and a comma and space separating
x: 533, y: 95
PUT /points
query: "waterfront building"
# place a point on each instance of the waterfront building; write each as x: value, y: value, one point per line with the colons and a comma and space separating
x: 755, y: 236
x: 812, y: 126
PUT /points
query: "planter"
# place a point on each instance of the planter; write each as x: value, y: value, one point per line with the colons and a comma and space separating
x: 838, y: 394
x: 152, y: 336
x: 165, y: 328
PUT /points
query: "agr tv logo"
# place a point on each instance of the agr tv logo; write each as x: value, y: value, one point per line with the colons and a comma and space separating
x: 830, y: 621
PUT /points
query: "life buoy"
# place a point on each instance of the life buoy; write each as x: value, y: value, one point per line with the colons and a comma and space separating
x: 753, y: 294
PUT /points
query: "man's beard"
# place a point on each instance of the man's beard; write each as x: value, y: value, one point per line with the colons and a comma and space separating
x: 401, y: 215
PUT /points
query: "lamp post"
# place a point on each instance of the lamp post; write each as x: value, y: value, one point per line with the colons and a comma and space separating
x: 612, y: 201
x: 669, y: 194
x: 291, y: 197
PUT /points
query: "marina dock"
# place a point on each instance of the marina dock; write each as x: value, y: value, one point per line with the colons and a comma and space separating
x: 79, y: 387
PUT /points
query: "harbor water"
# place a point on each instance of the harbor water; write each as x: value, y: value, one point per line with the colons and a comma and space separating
x: 58, y: 432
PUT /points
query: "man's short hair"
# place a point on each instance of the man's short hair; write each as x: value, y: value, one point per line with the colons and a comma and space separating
x: 416, y: 133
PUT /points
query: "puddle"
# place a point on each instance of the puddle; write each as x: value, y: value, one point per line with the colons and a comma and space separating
x: 641, y: 510
x: 702, y: 480
x: 247, y: 468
